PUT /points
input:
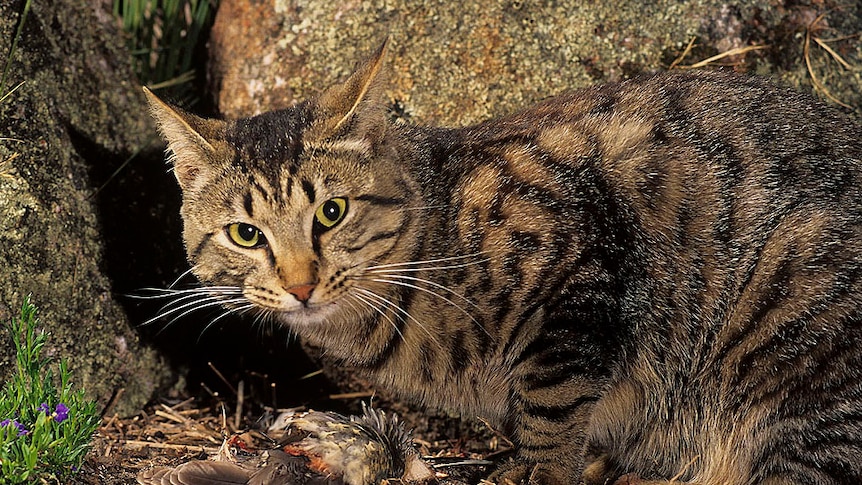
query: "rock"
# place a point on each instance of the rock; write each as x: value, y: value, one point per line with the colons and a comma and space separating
x: 78, y: 115
x: 457, y: 65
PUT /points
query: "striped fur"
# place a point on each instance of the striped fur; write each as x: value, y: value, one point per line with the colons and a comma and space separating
x: 662, y: 274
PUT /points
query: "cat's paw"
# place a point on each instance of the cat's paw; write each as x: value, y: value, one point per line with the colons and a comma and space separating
x: 600, y: 472
x: 511, y: 473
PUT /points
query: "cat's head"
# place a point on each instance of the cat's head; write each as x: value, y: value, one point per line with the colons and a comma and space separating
x: 289, y: 208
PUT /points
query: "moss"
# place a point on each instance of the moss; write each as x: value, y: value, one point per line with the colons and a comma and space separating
x: 79, y: 109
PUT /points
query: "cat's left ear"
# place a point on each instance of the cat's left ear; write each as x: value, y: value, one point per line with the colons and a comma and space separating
x: 354, y: 109
x: 188, y: 137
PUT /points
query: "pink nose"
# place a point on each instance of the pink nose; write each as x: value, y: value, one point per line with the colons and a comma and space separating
x: 301, y: 292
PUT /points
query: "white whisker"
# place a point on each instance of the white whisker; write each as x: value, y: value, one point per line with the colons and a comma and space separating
x: 259, y: 319
x: 436, y: 285
x: 392, y: 305
x: 438, y: 295
x: 379, y: 269
x: 378, y: 310
x: 434, y: 261
x: 180, y: 297
x: 216, y: 302
x: 169, y: 309
x: 182, y: 302
x: 351, y: 301
x: 228, y: 311
x: 168, y: 292
x: 181, y: 276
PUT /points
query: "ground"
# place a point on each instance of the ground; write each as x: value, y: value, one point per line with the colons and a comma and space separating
x: 169, y: 432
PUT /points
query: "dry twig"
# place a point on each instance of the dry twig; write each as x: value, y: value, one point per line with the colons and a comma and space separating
x: 732, y: 52
x: 806, y: 54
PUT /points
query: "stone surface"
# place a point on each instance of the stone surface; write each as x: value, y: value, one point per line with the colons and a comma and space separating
x: 461, y: 63
x: 76, y: 117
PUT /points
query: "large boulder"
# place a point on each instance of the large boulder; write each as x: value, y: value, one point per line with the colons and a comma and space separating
x: 461, y: 63
x: 77, y: 117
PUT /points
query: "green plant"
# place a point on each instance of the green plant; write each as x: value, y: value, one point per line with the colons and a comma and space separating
x: 45, y: 430
x: 164, y: 37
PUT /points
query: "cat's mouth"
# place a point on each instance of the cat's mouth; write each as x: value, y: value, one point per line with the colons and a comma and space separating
x: 294, y: 312
x: 309, y: 315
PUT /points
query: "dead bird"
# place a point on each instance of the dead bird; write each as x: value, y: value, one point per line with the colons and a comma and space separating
x: 315, y: 448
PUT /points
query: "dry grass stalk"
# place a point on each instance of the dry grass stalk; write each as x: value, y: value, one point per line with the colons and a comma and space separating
x: 497, y: 433
x: 352, y: 395
x: 222, y: 377
x: 822, y: 43
x: 170, y: 446
x: 806, y: 54
x: 171, y: 417
x: 732, y: 52
x: 6, y: 166
x: 682, y: 56
x: 9, y: 93
x: 240, y: 402
x: 178, y: 427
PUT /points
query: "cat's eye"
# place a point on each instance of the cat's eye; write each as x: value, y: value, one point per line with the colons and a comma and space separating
x: 331, y: 212
x: 245, y: 235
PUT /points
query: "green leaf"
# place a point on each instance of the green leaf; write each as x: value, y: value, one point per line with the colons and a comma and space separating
x: 50, y: 448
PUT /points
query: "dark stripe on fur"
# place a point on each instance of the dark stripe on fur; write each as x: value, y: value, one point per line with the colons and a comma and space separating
x: 196, y: 252
x: 380, y: 200
x: 559, y: 413
x: 308, y: 188
x: 395, y: 341
x: 380, y: 236
x: 247, y: 204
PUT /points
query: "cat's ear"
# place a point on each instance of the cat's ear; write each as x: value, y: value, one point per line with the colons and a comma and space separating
x: 192, y: 155
x: 356, y: 107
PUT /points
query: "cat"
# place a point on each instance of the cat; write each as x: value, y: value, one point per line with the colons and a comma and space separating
x: 656, y: 279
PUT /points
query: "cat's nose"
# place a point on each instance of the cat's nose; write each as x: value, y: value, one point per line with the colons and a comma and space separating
x: 301, y: 292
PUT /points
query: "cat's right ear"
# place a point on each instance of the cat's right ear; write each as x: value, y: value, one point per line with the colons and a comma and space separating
x: 355, y: 108
x: 192, y: 155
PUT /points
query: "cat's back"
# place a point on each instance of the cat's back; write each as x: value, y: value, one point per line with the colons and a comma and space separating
x: 670, y: 143
x: 709, y: 110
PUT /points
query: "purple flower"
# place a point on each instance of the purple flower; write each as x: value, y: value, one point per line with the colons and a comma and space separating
x: 22, y: 430
x: 45, y: 408
x: 61, y: 412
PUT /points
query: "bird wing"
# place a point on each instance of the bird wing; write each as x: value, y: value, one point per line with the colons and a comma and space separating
x: 198, y: 472
x: 285, y: 469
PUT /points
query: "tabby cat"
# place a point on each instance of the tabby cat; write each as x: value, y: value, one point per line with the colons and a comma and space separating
x: 660, y: 277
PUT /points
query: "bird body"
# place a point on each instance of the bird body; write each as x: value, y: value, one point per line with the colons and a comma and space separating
x: 316, y: 448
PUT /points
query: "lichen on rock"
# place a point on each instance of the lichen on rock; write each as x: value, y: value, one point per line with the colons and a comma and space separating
x: 455, y: 64
x: 77, y: 111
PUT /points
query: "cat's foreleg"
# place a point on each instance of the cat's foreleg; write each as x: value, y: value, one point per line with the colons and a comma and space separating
x: 550, y: 435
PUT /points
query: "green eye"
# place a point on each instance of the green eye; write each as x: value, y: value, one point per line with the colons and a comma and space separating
x: 245, y: 235
x: 331, y: 212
